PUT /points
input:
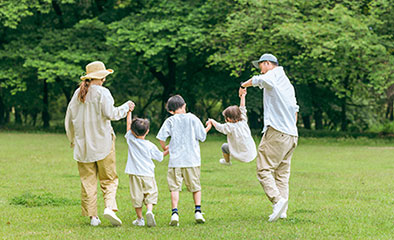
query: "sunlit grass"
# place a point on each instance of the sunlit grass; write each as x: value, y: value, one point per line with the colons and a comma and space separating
x: 339, y: 189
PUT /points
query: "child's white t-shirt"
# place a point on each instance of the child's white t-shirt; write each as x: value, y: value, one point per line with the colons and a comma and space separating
x: 185, y: 130
x: 140, y: 155
x: 239, y: 138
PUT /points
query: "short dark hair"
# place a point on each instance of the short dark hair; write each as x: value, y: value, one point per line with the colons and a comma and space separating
x: 233, y: 113
x: 174, y: 103
x: 139, y: 126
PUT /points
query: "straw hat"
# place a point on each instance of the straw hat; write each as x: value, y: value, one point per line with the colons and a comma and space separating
x: 96, y: 70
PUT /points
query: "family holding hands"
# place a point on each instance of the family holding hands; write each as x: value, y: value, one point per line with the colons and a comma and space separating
x: 88, y: 127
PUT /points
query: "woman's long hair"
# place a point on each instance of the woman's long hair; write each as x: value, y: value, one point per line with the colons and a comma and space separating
x: 83, y: 89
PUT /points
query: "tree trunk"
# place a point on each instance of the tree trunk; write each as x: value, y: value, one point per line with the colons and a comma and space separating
x: 389, y: 109
x: 343, y: 115
x: 168, y: 83
x: 318, y: 116
x: 307, y: 121
x: 2, y: 110
x: 18, y: 117
x: 45, y: 109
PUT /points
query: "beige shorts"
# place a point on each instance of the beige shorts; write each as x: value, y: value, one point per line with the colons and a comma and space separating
x: 191, y: 175
x: 143, y: 189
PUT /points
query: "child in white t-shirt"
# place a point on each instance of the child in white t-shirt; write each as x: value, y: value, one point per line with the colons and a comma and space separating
x: 141, y: 169
x: 240, y: 144
x: 186, y: 131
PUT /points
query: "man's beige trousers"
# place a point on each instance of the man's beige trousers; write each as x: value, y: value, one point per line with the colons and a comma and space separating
x: 105, y: 170
x: 273, y: 163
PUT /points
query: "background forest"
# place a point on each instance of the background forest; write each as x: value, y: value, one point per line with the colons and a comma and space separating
x: 339, y: 55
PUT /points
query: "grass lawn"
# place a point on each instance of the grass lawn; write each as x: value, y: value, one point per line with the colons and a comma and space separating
x: 339, y: 189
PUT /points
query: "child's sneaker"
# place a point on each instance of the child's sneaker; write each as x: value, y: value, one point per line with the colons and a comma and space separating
x: 199, y: 218
x: 224, y: 162
x: 174, y: 220
x: 111, y: 216
x: 139, y: 222
x: 150, y: 219
x: 95, y: 221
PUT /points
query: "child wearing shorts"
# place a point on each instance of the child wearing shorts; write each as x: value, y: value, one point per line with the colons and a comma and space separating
x: 140, y: 167
x: 185, y: 130
x: 240, y: 144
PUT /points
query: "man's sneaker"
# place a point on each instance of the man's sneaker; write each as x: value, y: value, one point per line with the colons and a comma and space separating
x: 139, y: 222
x: 279, y: 207
x: 224, y: 162
x: 150, y: 219
x: 111, y: 216
x: 199, y: 218
x: 95, y: 221
x: 174, y: 220
x: 284, y: 214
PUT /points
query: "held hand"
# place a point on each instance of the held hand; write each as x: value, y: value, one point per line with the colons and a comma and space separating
x: 166, y: 152
x: 241, y: 91
x: 166, y: 148
x: 131, y: 106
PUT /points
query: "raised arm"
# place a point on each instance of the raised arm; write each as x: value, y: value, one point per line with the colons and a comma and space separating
x: 242, y: 96
x: 247, y: 83
x: 128, y: 122
x: 112, y: 112
x: 208, y: 126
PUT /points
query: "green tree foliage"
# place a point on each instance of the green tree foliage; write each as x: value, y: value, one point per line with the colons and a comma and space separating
x: 338, y: 54
x: 329, y: 49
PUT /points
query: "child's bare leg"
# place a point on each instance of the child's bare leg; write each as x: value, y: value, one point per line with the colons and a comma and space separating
x: 197, y: 198
x: 174, y: 199
x: 226, y: 157
x: 139, y: 212
x: 149, y: 206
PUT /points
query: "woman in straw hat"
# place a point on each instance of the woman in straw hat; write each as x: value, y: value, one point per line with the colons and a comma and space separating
x: 88, y: 127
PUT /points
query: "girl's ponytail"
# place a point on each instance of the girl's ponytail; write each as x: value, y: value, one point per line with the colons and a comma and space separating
x: 83, y: 90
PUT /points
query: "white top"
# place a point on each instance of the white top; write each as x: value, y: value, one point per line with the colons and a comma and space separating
x: 185, y: 130
x: 140, y: 155
x: 88, y: 124
x: 239, y: 138
x: 280, y: 104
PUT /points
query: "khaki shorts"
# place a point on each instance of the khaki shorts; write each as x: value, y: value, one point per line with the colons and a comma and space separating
x: 143, y: 189
x: 191, y: 175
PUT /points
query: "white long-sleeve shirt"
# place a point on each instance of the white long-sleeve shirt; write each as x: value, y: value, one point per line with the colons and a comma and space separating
x: 280, y: 104
x: 185, y: 130
x: 88, y: 124
x: 239, y: 138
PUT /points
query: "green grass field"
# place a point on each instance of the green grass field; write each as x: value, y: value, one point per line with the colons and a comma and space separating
x: 339, y: 189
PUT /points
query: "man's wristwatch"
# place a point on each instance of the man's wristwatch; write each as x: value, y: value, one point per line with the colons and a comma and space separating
x: 242, y: 86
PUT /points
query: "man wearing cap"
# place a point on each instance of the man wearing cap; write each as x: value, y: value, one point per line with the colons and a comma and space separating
x: 280, y: 132
x: 88, y: 127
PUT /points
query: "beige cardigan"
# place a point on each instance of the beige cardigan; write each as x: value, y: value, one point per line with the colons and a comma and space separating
x: 88, y: 125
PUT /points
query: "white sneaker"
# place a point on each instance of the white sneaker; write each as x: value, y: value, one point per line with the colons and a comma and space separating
x: 279, y: 207
x: 95, y: 221
x: 111, y: 216
x: 224, y: 162
x: 139, y: 222
x: 174, y: 220
x: 199, y: 218
x: 150, y: 219
x: 284, y: 214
